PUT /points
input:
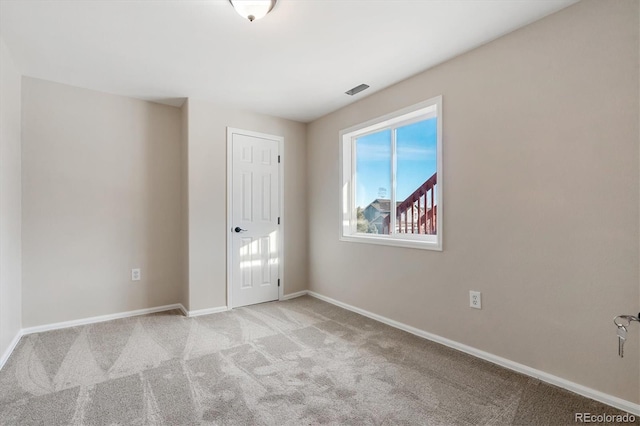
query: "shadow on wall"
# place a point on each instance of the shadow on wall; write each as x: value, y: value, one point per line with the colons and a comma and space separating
x: 156, y: 217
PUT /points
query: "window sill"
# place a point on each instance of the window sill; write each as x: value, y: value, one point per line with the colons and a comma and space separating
x: 393, y: 242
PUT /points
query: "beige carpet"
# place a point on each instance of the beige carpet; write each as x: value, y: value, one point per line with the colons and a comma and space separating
x: 299, y: 362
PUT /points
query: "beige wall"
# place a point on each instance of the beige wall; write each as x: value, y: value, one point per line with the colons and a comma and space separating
x: 10, y: 206
x: 541, y: 200
x: 101, y: 195
x: 113, y: 183
x: 207, y: 199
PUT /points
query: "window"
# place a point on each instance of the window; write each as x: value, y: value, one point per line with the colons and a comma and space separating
x: 392, y: 178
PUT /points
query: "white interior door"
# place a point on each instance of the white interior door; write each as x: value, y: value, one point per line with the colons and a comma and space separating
x: 254, y: 218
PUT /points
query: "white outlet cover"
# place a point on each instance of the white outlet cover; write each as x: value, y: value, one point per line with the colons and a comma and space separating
x: 135, y: 274
x: 475, y: 299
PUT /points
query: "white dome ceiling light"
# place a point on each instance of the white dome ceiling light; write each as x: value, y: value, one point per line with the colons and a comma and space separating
x: 253, y: 9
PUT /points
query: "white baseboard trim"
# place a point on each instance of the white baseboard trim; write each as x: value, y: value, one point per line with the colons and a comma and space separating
x: 294, y: 295
x: 611, y: 400
x: 101, y: 318
x: 207, y: 311
x: 12, y: 346
x: 184, y: 310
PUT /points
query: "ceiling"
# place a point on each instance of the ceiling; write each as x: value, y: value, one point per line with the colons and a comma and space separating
x: 295, y: 63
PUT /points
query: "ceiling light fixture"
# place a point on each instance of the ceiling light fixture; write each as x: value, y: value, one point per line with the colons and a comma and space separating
x: 253, y: 9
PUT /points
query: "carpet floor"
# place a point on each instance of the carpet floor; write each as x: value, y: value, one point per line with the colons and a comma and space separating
x: 299, y: 362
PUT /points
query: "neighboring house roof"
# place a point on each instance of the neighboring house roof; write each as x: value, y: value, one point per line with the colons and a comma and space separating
x: 381, y: 204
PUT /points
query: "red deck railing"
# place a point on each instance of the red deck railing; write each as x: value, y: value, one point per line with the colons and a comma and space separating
x: 418, y: 213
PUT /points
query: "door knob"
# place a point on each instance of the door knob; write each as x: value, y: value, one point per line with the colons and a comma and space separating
x: 238, y: 229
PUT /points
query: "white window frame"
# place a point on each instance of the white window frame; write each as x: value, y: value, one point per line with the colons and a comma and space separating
x: 414, y: 113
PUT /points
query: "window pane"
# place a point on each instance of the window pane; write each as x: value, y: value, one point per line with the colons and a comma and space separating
x: 373, y: 182
x: 416, y: 165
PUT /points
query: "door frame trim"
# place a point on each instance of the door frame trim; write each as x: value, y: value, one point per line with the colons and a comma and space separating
x: 280, y: 139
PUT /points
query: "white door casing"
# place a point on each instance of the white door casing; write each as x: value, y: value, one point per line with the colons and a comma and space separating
x: 254, y: 217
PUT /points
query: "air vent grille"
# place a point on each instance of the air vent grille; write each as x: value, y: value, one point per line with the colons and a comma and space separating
x: 357, y: 89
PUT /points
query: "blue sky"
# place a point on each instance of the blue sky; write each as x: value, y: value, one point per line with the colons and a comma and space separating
x: 417, y: 161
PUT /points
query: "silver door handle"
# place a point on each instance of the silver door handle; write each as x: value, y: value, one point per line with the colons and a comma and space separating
x: 238, y: 229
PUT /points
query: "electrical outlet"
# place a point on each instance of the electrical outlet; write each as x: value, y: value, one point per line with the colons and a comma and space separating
x: 475, y: 299
x: 135, y: 274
